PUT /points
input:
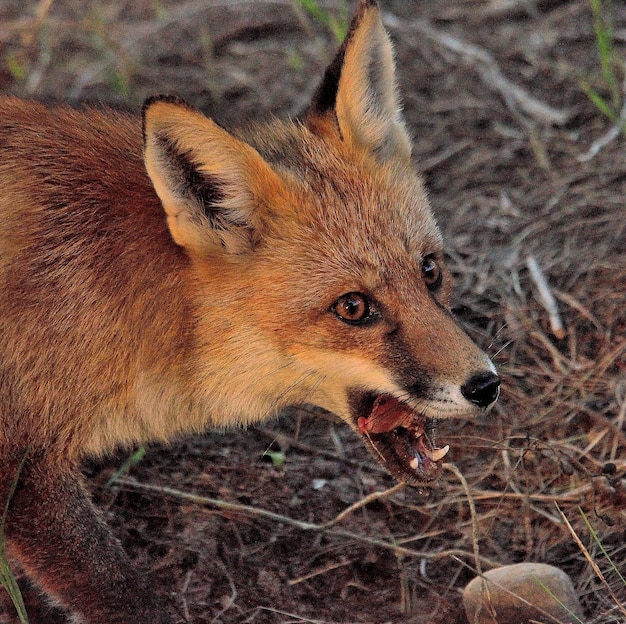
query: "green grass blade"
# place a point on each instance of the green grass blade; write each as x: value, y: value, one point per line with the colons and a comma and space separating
x: 596, y: 539
x: 599, y: 102
x: 7, y: 578
x: 134, y: 459
x: 338, y: 27
x: 550, y: 593
x: 603, y: 29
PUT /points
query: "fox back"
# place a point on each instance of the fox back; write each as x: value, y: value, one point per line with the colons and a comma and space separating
x: 165, y: 275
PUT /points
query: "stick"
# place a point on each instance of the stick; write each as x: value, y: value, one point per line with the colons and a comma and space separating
x: 299, y: 524
x: 514, y: 96
x: 546, y: 298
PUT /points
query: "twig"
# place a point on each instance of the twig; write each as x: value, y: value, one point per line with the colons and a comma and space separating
x: 41, y: 13
x: 318, y: 571
x: 292, y: 616
x: 361, y: 503
x: 230, y: 600
x: 127, y: 45
x: 485, y: 588
x: 514, y: 96
x: 428, y: 165
x: 570, y: 496
x: 612, y: 133
x: 560, y: 361
x: 546, y: 298
x: 579, y: 307
x: 287, y: 442
x: 619, y: 423
x: 299, y: 524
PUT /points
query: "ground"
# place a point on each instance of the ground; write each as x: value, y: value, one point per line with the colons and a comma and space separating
x: 512, y: 152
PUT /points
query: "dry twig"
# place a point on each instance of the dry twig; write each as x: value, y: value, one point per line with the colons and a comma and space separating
x: 300, y: 524
x: 515, y: 97
x: 546, y: 298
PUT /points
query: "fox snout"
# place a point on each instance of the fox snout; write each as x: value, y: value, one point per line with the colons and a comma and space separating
x: 402, y: 432
x: 434, y: 372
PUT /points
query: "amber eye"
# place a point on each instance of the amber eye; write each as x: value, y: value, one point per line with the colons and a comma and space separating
x: 433, y: 275
x: 353, y: 308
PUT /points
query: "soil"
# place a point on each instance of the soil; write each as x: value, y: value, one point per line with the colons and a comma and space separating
x: 510, y: 177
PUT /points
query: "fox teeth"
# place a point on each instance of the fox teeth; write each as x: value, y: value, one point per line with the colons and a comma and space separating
x: 437, y: 454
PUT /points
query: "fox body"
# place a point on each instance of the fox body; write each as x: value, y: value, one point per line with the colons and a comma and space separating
x: 170, y: 276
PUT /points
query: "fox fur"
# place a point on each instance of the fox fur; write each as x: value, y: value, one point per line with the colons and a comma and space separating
x: 171, y: 276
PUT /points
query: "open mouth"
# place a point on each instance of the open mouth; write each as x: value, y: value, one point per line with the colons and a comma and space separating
x: 400, y: 438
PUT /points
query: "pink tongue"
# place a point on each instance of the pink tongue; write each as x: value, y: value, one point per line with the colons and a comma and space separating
x: 387, y: 414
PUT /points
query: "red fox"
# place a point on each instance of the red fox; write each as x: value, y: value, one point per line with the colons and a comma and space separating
x: 169, y: 276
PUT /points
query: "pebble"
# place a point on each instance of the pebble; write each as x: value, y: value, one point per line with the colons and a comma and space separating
x: 548, y: 589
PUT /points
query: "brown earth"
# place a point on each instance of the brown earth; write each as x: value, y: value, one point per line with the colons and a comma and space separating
x: 503, y: 132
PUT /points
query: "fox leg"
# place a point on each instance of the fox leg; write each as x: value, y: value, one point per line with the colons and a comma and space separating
x: 61, y: 542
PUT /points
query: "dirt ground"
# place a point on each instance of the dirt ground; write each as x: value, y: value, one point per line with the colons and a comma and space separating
x: 508, y: 143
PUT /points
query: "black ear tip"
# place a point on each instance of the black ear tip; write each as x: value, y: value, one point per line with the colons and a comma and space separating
x: 155, y: 99
x: 167, y: 98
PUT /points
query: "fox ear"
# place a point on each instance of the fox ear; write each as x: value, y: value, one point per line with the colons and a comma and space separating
x: 213, y: 186
x: 358, y: 92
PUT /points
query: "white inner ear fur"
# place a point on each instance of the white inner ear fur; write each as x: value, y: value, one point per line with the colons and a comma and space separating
x: 368, y: 108
x: 238, y: 171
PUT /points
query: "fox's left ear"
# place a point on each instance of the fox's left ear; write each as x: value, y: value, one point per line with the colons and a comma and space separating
x: 358, y: 95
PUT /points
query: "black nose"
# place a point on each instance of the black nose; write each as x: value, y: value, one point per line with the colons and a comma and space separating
x: 482, y: 389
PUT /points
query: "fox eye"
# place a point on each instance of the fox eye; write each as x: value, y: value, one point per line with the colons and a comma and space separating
x: 433, y: 275
x: 353, y: 308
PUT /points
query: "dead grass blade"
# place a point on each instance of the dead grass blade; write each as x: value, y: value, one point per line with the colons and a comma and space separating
x: 589, y: 558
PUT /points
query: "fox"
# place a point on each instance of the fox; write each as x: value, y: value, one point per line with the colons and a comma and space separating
x: 165, y: 275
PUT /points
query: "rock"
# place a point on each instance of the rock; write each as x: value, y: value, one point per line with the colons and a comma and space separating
x: 549, y: 591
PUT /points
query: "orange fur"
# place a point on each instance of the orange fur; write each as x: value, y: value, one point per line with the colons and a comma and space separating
x: 175, y: 276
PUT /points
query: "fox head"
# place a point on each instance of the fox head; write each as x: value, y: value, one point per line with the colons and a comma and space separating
x: 317, y: 266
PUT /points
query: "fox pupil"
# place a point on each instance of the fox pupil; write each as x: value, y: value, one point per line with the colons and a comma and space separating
x: 352, y: 308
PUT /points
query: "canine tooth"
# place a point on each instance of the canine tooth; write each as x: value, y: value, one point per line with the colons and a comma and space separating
x: 440, y: 453
x: 414, y: 463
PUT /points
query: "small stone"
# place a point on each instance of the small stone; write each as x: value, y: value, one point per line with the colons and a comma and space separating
x: 549, y: 591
